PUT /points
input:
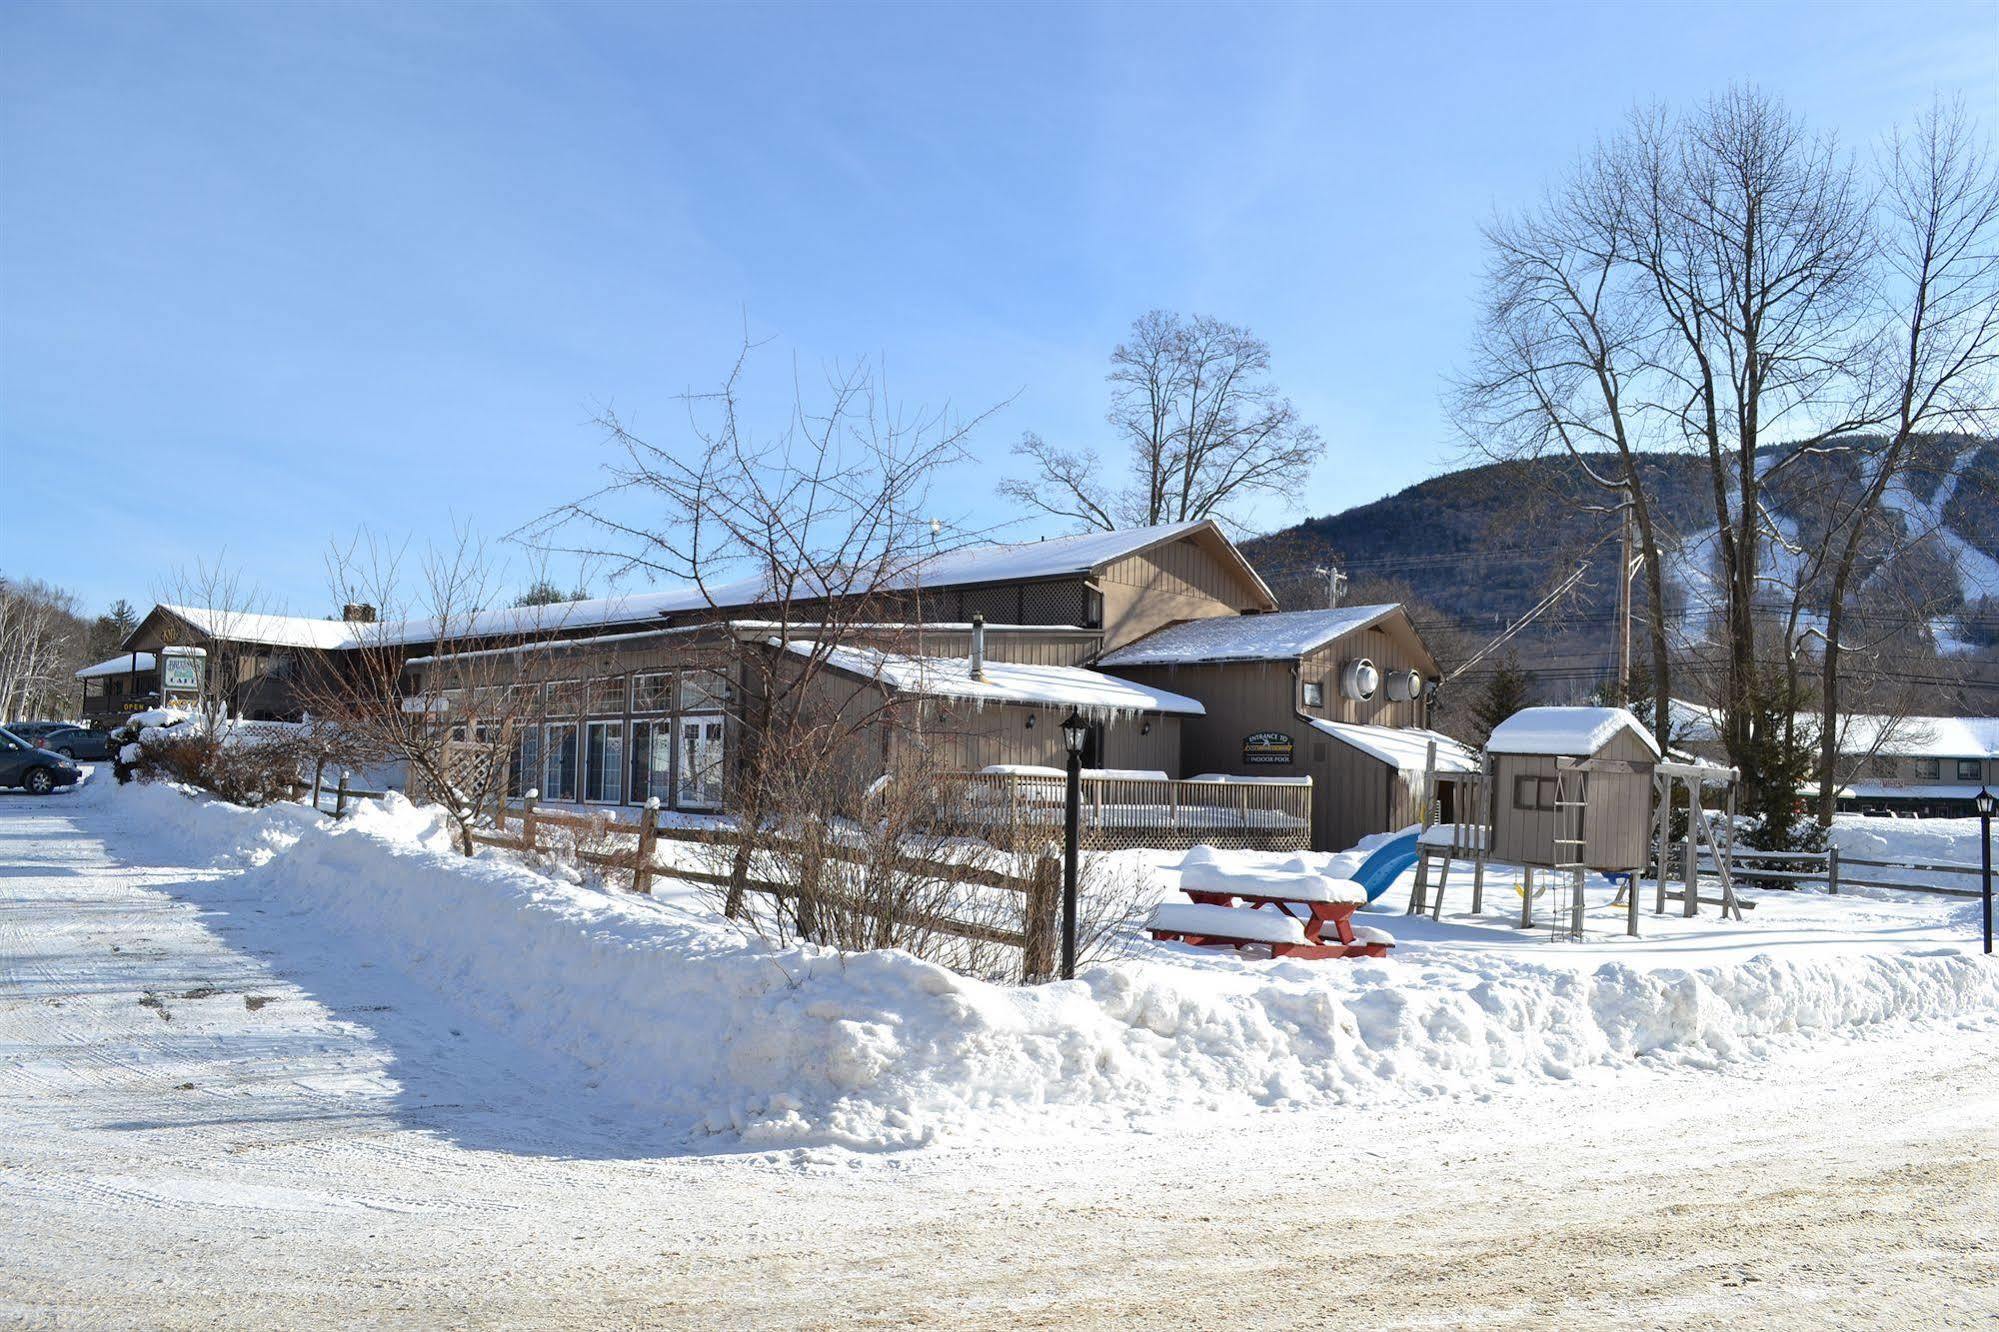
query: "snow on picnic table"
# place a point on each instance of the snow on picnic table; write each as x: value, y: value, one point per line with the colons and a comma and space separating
x: 657, y: 1014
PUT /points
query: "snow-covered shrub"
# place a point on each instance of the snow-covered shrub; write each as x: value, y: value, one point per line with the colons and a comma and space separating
x: 251, y: 766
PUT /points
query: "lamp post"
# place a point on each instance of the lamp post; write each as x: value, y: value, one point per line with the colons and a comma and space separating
x: 1987, y: 804
x: 1074, y: 731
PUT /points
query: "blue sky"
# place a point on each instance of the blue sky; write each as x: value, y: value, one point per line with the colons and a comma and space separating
x: 270, y: 273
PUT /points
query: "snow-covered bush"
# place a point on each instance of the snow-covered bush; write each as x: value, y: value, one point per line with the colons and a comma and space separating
x: 246, y: 765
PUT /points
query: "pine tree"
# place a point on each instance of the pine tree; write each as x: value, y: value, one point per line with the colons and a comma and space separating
x: 108, y: 631
x: 1780, y: 761
x: 1505, y: 693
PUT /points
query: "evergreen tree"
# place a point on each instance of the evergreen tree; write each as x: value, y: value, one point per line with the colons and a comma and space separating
x: 1505, y: 693
x: 1779, y: 762
x: 108, y: 630
x: 542, y: 592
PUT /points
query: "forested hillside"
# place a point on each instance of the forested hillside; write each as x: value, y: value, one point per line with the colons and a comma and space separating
x: 1475, y: 549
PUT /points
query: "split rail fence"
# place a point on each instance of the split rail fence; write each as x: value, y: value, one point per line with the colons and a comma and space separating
x: 1833, y: 869
x: 1040, y: 888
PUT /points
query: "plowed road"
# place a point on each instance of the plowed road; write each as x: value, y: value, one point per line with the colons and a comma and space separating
x: 191, y: 1138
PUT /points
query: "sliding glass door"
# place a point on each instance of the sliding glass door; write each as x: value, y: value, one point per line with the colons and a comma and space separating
x: 652, y: 761
x: 559, y: 780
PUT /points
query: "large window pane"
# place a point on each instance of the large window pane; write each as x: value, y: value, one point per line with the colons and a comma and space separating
x: 652, y: 693
x: 702, y: 690
x: 604, y: 762
x: 701, y: 762
x: 559, y: 782
x: 652, y: 759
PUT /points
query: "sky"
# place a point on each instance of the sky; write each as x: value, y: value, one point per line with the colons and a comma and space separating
x: 270, y: 274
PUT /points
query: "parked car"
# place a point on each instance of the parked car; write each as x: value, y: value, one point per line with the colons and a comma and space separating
x: 33, y: 731
x: 77, y: 742
x: 36, y: 771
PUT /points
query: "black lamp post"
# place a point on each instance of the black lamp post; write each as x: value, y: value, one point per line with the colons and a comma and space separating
x: 1074, y: 731
x: 1987, y: 804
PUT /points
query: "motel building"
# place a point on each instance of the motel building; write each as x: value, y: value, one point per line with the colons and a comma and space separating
x: 1164, y: 639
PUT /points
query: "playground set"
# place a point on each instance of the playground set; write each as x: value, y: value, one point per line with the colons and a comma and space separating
x: 1561, y: 792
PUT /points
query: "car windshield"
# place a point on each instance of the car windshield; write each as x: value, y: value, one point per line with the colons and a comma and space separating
x: 9, y: 735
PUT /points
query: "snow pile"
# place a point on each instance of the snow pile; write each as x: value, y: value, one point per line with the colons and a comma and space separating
x: 663, y: 1009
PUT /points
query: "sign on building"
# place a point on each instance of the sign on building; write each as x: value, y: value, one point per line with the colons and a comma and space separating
x: 1267, y: 747
x: 180, y: 674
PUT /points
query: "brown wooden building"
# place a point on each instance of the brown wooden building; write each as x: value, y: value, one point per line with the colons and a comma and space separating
x: 1540, y: 811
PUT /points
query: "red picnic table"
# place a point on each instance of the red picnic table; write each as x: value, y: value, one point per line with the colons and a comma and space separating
x: 1212, y: 916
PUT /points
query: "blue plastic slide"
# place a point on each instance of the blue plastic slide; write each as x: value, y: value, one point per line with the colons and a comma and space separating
x: 1379, y: 870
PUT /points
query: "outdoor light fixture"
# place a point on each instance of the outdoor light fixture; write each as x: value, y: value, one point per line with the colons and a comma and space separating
x: 1987, y: 805
x: 1074, y: 731
x: 1030, y: 721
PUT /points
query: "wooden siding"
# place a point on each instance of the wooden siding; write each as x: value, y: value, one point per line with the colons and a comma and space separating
x: 1031, y: 649
x: 1390, y: 645
x: 1181, y: 580
x: 1616, y: 823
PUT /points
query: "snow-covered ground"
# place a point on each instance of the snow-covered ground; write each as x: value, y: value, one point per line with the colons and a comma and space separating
x: 258, y: 1069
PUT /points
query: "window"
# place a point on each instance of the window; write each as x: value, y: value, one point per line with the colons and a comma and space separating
x: 1530, y: 792
x: 1885, y: 767
x: 652, y: 693
x: 702, y: 691
x: 701, y: 763
x: 1967, y: 770
x: 1315, y: 694
x: 527, y: 762
x: 604, y: 762
x: 1926, y: 769
x: 607, y: 697
x: 652, y: 761
x: 94, y: 687
x: 559, y: 775
x: 563, y: 698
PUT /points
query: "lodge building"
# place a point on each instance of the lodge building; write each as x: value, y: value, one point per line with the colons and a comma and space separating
x: 1164, y: 638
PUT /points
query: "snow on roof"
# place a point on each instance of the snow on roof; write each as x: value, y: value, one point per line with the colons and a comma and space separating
x: 1863, y: 733
x: 131, y: 661
x: 1574, y: 732
x: 274, y: 630
x: 996, y: 562
x: 1922, y: 737
x: 1283, y: 636
x: 1088, y: 691
x: 1909, y: 790
x: 1405, y: 749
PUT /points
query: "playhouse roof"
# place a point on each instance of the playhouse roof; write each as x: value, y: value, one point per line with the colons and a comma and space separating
x: 1284, y: 636
x: 1087, y: 691
x: 1404, y: 748
x: 1571, y: 732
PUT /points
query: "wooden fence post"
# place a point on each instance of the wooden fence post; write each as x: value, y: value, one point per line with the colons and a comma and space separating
x: 739, y: 877
x: 318, y: 772
x: 1044, y: 914
x: 648, y: 839
x: 340, y: 796
x: 527, y: 819
x: 1832, y: 869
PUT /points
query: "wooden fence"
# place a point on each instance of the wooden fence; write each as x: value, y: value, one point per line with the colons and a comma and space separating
x: 1834, y: 869
x: 1118, y: 813
x: 1040, y: 888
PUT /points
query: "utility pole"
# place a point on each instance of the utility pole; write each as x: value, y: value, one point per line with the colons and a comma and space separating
x: 1623, y: 694
x: 1336, y: 584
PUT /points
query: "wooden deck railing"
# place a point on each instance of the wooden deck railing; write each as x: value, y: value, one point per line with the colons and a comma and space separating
x: 1118, y: 813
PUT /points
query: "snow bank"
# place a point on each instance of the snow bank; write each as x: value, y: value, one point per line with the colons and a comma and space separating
x: 671, y: 1014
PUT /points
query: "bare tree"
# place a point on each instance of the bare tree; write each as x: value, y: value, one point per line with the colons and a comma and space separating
x: 436, y: 679
x: 1204, y: 431
x: 216, y: 609
x: 1560, y: 364
x: 1753, y: 235
x: 1940, y: 217
x: 42, y: 641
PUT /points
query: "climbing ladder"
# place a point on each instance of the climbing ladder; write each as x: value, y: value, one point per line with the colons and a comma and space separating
x: 1570, y: 848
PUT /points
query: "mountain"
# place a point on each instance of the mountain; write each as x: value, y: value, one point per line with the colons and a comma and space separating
x: 1474, y: 550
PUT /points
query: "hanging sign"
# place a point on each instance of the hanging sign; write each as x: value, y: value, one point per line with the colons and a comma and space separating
x: 1267, y: 747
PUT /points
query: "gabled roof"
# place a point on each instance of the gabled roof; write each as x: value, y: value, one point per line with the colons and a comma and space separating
x: 1568, y: 732
x: 255, y: 627
x: 1284, y: 636
x: 997, y: 562
x: 1090, y: 692
x: 1404, y: 748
